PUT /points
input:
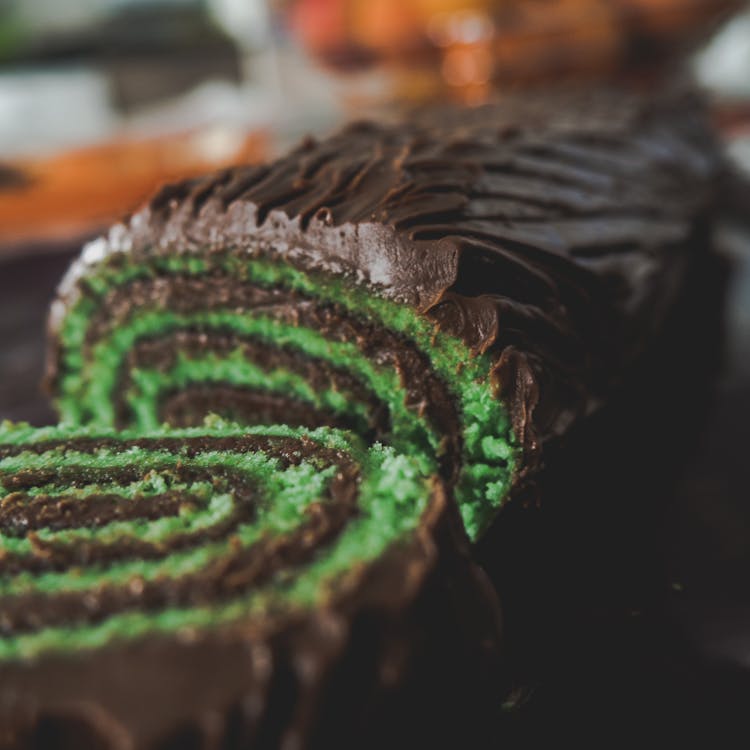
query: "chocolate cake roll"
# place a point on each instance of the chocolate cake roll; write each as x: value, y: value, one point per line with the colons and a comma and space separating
x: 464, y: 286
x: 225, y: 587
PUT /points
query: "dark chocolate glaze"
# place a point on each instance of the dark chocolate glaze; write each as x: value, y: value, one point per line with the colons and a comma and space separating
x: 552, y: 231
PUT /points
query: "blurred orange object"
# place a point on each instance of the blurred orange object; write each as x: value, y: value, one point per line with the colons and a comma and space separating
x: 78, y: 192
x: 470, y: 44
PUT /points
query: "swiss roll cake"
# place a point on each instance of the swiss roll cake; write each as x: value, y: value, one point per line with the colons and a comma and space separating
x: 468, y: 284
x: 293, y: 395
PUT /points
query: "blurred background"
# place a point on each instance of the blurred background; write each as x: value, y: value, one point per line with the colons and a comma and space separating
x: 102, y: 101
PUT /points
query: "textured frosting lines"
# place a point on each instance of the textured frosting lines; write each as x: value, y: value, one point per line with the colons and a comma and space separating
x: 549, y: 231
x: 107, y: 539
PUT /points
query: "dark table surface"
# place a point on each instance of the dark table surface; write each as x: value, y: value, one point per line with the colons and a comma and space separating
x: 681, y: 662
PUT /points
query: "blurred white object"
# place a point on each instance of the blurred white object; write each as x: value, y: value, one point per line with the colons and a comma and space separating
x: 50, y: 110
x: 282, y: 86
x: 55, y: 16
x: 45, y: 16
x: 724, y: 65
x: 739, y: 151
x: 245, y: 20
x: 208, y: 104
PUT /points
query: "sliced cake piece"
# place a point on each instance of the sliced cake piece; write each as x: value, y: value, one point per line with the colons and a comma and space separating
x: 225, y: 587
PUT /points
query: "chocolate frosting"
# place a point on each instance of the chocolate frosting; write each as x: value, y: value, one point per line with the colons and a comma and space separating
x: 552, y: 232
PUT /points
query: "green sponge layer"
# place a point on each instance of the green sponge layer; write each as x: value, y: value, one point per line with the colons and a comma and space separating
x: 437, y: 393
